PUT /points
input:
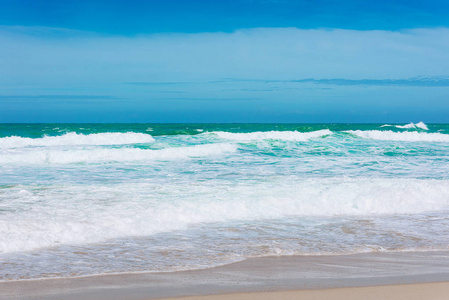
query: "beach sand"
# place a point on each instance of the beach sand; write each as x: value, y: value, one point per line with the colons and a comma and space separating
x: 422, y: 291
x: 408, y: 275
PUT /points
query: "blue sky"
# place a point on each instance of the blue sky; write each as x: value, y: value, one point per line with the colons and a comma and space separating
x: 224, y: 61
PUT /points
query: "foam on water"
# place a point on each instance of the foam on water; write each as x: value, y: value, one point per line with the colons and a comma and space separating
x: 401, y: 136
x: 272, y: 135
x: 91, y: 214
x: 420, y: 125
x: 119, y: 201
x: 73, y: 138
x: 407, y: 126
x: 98, y: 155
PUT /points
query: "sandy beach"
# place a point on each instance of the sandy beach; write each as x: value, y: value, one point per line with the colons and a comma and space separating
x: 409, y: 275
x: 397, y: 292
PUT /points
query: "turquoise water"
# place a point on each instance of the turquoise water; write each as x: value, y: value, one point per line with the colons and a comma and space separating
x: 40, y: 130
x: 83, y: 199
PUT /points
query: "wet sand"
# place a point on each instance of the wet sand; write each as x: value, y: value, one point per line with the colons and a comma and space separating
x: 409, y: 275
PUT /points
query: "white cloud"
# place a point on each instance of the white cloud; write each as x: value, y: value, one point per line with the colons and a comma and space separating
x: 53, y: 58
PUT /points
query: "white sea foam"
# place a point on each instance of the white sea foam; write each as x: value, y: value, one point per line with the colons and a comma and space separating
x: 412, y: 125
x: 73, y: 138
x: 272, y: 135
x: 422, y: 126
x: 98, y: 155
x: 401, y: 136
x: 93, y: 213
x: 407, y: 126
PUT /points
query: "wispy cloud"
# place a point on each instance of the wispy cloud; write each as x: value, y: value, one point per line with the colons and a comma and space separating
x: 158, y: 83
x: 282, y: 53
x: 439, y: 81
x: 424, y: 82
x: 57, y: 97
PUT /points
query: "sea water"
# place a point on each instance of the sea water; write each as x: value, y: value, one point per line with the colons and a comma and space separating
x: 86, y: 199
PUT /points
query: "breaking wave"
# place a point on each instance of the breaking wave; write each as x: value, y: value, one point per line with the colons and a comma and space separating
x: 78, y: 214
x: 272, y: 135
x: 68, y: 156
x: 401, y: 136
x: 73, y: 138
x: 420, y: 125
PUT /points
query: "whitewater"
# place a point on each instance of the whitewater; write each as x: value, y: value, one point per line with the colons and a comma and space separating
x: 87, y: 199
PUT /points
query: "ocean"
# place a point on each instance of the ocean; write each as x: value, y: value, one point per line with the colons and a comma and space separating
x: 88, y: 199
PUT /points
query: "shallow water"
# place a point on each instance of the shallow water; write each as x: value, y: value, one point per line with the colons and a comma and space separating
x: 81, y: 199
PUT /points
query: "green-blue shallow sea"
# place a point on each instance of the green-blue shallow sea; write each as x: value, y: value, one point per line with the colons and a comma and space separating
x: 82, y: 199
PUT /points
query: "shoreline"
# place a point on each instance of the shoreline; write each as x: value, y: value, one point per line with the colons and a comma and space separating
x: 137, y: 273
x: 307, y: 275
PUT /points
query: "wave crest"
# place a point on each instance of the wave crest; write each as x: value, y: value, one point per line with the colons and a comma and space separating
x: 115, y: 155
x: 401, y: 136
x: 149, y: 208
x: 272, y: 135
x: 73, y: 138
x: 420, y: 125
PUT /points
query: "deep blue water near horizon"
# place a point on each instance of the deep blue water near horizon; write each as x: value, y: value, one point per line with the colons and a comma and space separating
x: 84, y: 199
